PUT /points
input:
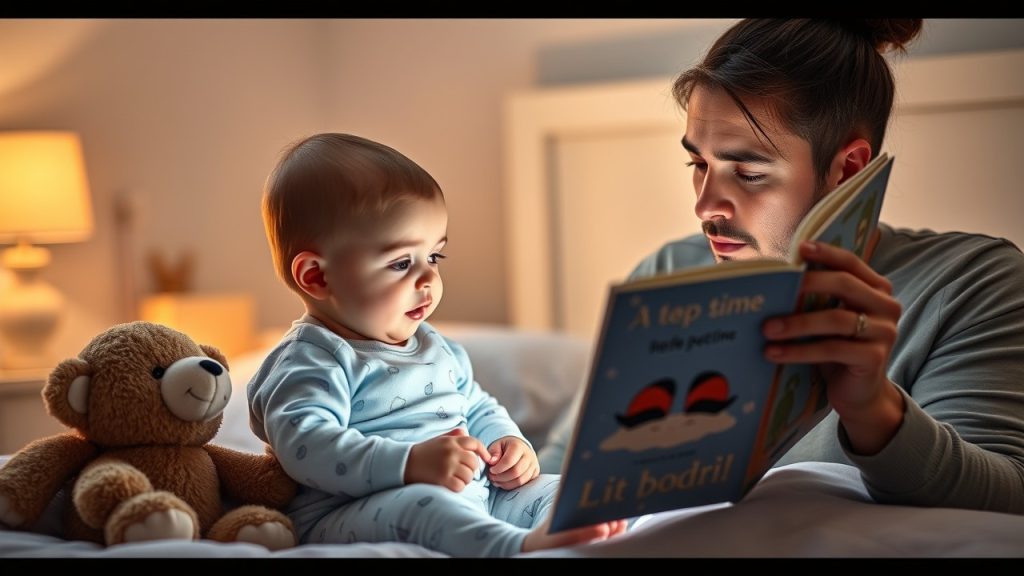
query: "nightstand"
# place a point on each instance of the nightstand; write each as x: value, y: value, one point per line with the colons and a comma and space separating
x: 23, y: 416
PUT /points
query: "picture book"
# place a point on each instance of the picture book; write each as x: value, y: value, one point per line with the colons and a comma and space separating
x: 681, y: 408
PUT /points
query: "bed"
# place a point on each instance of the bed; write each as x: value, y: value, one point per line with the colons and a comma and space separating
x: 803, y: 510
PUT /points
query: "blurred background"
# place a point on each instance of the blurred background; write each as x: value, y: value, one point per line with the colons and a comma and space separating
x: 181, y: 121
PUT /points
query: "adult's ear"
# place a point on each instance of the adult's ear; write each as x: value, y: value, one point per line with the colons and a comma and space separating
x: 849, y: 160
x: 66, y: 393
x: 308, y: 273
x: 216, y: 354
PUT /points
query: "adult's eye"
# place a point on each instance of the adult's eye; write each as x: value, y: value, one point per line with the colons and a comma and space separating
x: 751, y: 178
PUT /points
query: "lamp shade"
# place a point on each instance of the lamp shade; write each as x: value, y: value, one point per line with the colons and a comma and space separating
x: 44, y: 192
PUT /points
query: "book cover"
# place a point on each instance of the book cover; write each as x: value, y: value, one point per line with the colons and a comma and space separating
x: 681, y: 407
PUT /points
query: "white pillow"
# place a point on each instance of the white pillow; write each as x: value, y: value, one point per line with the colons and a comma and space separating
x: 532, y: 374
x: 552, y: 455
x: 234, y: 431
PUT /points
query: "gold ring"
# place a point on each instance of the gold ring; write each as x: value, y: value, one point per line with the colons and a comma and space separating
x: 862, y: 325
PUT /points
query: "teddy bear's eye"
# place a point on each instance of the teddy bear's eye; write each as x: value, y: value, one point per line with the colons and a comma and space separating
x: 158, y: 372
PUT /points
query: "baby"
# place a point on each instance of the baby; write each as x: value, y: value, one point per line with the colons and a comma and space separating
x: 367, y: 406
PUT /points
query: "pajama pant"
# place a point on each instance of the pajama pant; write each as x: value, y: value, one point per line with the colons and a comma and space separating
x: 482, y: 520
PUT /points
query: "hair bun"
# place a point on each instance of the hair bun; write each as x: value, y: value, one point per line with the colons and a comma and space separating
x: 887, y: 34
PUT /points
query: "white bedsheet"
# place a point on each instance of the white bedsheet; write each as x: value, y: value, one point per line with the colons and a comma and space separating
x: 802, y: 510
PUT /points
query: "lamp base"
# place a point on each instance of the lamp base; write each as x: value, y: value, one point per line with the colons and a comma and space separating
x: 30, y: 311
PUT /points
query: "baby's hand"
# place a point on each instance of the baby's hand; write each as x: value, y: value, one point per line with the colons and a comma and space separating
x: 514, y: 463
x: 449, y: 460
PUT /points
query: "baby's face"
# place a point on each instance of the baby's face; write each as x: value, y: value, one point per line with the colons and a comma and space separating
x: 384, y: 280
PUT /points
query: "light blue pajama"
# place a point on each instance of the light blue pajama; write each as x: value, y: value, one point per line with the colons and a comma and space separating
x: 342, y: 416
x: 437, y: 518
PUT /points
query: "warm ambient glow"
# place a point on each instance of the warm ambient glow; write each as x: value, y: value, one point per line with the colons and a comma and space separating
x: 44, y: 198
x: 44, y: 193
x: 225, y: 321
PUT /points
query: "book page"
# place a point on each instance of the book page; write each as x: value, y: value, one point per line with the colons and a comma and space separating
x: 847, y: 218
x: 848, y: 215
x: 728, y: 269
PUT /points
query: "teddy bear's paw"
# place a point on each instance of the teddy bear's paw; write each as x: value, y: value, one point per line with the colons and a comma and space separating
x: 161, y: 525
x: 272, y: 535
x: 8, y: 516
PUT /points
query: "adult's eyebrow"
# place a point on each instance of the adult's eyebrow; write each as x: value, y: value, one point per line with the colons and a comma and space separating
x: 745, y: 156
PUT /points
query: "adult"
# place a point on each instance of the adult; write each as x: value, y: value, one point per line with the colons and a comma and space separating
x: 924, y: 358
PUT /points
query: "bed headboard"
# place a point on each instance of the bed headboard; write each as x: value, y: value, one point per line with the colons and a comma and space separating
x: 595, y: 175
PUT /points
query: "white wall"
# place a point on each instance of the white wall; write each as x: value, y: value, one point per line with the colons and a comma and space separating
x: 187, y: 116
x: 434, y: 89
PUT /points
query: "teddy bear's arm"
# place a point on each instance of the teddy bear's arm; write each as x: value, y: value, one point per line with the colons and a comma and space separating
x: 252, y: 478
x: 35, y: 473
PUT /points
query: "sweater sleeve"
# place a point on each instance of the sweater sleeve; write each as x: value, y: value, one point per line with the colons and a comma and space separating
x: 305, y: 402
x: 961, y: 443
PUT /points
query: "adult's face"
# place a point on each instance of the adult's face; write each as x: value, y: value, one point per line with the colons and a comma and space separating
x: 750, y: 193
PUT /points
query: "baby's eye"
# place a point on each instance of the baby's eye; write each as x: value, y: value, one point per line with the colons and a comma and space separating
x: 435, y: 257
x: 400, y: 266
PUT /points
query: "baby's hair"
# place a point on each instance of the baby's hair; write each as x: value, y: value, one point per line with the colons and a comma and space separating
x: 325, y: 183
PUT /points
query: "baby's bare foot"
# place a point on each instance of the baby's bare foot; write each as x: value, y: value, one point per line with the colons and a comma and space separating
x: 539, y: 539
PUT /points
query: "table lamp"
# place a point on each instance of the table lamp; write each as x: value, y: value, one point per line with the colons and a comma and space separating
x: 44, y: 198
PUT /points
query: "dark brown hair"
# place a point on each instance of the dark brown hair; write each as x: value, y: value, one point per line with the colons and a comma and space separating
x: 825, y: 80
x: 329, y: 183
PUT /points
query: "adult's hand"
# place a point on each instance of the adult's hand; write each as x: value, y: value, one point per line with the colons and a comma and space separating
x: 852, y: 343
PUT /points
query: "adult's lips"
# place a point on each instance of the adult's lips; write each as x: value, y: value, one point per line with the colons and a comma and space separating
x: 722, y: 245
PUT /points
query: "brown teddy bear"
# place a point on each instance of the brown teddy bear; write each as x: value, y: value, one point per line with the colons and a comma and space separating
x: 143, y: 401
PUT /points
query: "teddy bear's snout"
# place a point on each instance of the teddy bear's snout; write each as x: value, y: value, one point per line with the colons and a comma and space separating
x: 195, y: 388
x: 211, y: 367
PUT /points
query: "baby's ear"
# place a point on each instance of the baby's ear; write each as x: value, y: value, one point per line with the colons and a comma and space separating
x: 308, y: 273
x: 214, y: 353
x: 67, y: 393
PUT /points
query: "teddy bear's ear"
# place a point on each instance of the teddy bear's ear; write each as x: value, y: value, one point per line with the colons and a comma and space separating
x: 214, y: 353
x: 67, y: 392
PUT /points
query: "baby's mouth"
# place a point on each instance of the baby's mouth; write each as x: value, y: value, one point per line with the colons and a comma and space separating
x: 419, y: 312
